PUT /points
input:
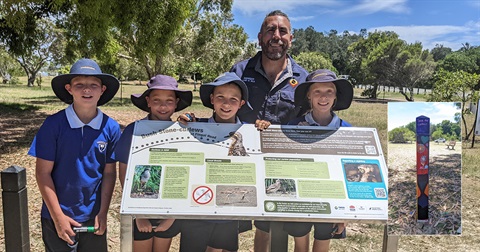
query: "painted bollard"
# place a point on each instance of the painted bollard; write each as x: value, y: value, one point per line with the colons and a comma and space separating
x: 423, y: 146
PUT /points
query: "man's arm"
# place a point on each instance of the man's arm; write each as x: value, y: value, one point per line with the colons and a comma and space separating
x: 63, y: 223
x: 108, y: 184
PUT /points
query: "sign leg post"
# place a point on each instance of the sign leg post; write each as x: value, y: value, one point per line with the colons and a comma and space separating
x: 278, y: 237
x: 126, y: 233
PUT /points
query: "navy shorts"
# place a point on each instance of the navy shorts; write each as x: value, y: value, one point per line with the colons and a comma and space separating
x: 169, y: 233
x: 323, y: 231
x: 198, y: 234
x: 262, y: 225
x: 82, y: 241
x: 244, y: 226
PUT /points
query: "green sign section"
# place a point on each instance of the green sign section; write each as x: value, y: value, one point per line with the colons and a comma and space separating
x: 175, y: 182
x: 297, y: 207
x: 321, y: 189
x: 231, y: 173
x: 171, y: 157
x: 296, y: 168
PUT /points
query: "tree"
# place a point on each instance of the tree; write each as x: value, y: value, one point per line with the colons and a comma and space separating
x: 146, y: 38
x: 401, y: 135
x: 437, y: 134
x: 456, y: 86
x: 459, y: 60
x: 440, y: 52
x: 8, y: 66
x: 415, y: 66
x: 371, y: 56
x: 412, y: 126
x: 209, y: 44
x: 38, y: 43
x: 313, y: 60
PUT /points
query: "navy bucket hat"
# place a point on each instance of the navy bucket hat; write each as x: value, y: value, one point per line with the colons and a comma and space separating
x: 225, y: 78
x: 162, y: 82
x: 344, y: 90
x: 85, y: 67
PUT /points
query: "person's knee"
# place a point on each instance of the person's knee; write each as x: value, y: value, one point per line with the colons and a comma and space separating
x: 321, y: 245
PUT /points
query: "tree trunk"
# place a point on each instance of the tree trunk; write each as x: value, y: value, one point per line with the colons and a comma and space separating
x: 31, y: 79
x: 408, y: 98
x: 374, y: 93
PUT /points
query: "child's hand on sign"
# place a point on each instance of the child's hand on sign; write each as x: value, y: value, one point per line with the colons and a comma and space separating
x: 186, y: 118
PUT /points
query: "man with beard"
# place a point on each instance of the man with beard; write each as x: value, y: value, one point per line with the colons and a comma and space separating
x: 271, y: 77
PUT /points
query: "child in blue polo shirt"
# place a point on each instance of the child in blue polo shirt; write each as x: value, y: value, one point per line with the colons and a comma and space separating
x: 161, y: 100
x: 320, y: 95
x: 225, y: 95
x: 75, y: 166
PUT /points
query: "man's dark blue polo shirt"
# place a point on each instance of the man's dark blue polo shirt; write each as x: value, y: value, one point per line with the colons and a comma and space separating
x: 274, y: 104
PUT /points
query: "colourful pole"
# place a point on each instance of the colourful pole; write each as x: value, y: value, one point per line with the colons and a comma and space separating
x: 423, y: 146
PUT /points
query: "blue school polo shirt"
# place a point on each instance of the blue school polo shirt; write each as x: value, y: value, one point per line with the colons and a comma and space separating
x: 79, y: 152
x: 308, y: 119
x: 122, y: 151
x: 272, y: 103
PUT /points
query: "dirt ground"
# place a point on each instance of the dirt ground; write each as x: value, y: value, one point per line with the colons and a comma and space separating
x: 444, y: 190
x: 18, y: 128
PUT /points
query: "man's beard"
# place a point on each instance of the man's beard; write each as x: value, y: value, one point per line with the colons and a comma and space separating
x: 276, y: 55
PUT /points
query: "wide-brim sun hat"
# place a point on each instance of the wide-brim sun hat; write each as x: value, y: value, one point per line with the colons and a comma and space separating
x: 344, y: 90
x: 162, y: 82
x: 225, y: 78
x: 85, y: 67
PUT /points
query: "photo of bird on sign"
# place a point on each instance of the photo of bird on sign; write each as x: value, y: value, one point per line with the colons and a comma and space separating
x: 146, y: 181
x: 277, y: 187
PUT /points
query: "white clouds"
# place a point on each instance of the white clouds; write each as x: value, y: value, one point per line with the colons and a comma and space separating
x: 363, y: 7
x: 251, y: 7
x: 366, y: 7
x: 448, y: 35
x: 302, y: 18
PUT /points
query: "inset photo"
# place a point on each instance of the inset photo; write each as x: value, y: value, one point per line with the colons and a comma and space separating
x: 424, y: 168
x: 234, y: 195
x: 362, y: 172
x: 146, y: 181
x: 276, y: 187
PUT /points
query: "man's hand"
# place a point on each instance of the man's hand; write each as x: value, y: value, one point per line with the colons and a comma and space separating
x: 262, y: 124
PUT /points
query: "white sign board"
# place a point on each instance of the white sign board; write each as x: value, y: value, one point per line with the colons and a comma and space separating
x: 232, y: 171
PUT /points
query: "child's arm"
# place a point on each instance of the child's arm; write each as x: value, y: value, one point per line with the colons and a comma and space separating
x: 186, y: 118
x: 108, y: 183
x: 63, y: 223
x: 143, y: 225
x: 122, y: 173
x: 262, y: 124
x: 164, y: 225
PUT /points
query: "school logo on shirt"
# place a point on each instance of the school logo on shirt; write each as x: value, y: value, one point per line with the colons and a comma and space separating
x: 293, y: 82
x: 249, y: 79
x: 102, y: 146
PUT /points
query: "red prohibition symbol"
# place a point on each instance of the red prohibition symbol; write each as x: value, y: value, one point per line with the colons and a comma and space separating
x: 202, y: 195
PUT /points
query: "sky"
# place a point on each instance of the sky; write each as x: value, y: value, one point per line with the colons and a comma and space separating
x: 403, y: 113
x: 450, y: 23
